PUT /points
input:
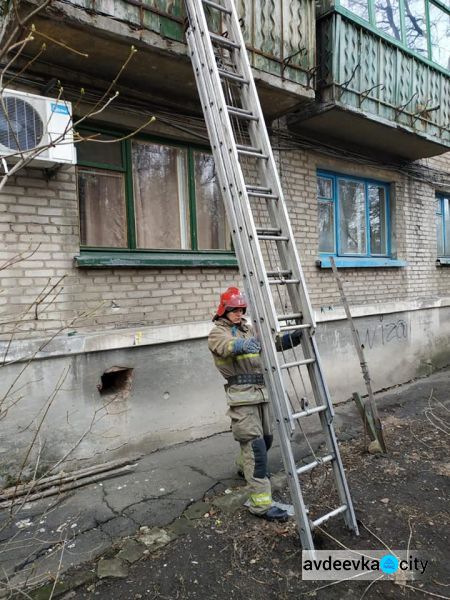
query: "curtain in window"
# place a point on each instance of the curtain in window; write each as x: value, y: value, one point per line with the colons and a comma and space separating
x: 377, y: 219
x: 326, y: 215
x: 103, y: 220
x: 352, y: 217
x: 212, y: 230
x: 447, y: 226
x: 160, y: 196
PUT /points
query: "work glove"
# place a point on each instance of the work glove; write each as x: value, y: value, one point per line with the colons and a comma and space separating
x: 291, y: 339
x: 246, y: 346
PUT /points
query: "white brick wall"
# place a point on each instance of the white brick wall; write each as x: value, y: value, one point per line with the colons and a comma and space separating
x: 39, y: 218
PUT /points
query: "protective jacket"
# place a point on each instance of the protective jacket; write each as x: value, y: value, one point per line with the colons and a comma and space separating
x: 220, y: 342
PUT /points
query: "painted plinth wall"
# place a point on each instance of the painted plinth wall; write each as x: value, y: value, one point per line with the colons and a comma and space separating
x: 176, y: 395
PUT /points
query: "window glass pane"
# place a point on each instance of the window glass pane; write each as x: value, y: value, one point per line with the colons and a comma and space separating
x: 387, y: 15
x: 99, y: 152
x: 440, y: 36
x: 326, y: 227
x: 446, y: 206
x: 439, y: 228
x: 439, y: 236
x: 212, y: 229
x: 415, y: 25
x: 359, y: 7
x: 377, y: 219
x: 160, y: 196
x: 352, y: 217
x: 324, y: 188
x: 102, y: 208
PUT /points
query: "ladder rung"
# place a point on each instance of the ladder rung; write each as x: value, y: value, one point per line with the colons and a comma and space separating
x: 315, y: 463
x: 258, y: 188
x: 220, y: 40
x: 250, y: 151
x: 261, y: 195
x: 283, y: 281
x: 289, y: 317
x: 309, y: 411
x: 217, y: 6
x: 285, y: 328
x: 232, y: 76
x: 298, y: 363
x: 242, y: 113
x: 277, y: 238
x: 278, y: 273
x: 268, y: 230
x: 260, y: 192
x: 333, y: 513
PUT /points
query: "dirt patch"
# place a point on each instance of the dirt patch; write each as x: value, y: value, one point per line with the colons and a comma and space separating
x: 401, y: 501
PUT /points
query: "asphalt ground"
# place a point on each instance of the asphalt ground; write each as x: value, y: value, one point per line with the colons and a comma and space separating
x: 68, y: 541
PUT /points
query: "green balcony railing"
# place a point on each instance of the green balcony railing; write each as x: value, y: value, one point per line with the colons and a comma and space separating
x: 280, y: 34
x: 363, y: 71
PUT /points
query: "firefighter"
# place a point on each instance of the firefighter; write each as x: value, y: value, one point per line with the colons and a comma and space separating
x: 236, y: 352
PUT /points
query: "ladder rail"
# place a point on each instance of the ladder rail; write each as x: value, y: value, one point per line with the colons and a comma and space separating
x: 232, y: 190
x: 236, y: 194
x: 221, y: 113
x: 227, y: 149
x: 250, y: 96
x: 273, y: 388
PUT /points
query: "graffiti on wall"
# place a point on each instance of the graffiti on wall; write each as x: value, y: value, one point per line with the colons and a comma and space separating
x: 384, y: 333
x: 373, y: 332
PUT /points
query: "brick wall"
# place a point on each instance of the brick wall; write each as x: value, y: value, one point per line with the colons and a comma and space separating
x: 39, y: 234
x: 39, y: 219
x: 414, y: 234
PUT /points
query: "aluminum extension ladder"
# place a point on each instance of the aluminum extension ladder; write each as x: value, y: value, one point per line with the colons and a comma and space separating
x: 264, y: 245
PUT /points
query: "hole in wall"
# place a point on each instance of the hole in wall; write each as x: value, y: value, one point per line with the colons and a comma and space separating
x: 115, y: 383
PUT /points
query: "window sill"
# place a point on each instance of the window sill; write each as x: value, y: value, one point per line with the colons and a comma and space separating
x: 353, y: 262
x: 443, y: 261
x: 90, y: 259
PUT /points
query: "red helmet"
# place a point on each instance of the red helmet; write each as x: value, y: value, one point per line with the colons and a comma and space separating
x: 231, y: 298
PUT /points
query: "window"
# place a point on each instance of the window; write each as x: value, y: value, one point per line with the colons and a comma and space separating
x: 443, y: 225
x: 358, y: 7
x: 148, y: 196
x: 387, y: 16
x: 101, y: 194
x: 440, y: 36
x: 353, y: 218
x: 415, y: 25
x: 421, y: 26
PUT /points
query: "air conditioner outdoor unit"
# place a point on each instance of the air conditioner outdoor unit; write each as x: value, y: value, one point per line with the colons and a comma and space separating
x: 29, y: 122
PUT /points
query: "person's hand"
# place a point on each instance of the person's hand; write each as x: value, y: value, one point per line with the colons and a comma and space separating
x: 246, y: 346
x: 252, y: 346
x: 290, y: 340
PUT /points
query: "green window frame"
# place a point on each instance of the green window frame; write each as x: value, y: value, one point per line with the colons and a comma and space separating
x: 421, y: 27
x: 115, y: 179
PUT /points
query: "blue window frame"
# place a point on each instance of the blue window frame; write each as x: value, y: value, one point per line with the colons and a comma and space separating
x: 443, y: 225
x: 354, y: 220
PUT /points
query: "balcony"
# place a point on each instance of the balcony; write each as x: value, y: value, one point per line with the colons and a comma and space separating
x: 373, y: 94
x: 280, y: 37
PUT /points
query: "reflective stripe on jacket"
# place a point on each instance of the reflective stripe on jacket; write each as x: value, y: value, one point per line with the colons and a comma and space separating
x: 220, y: 343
